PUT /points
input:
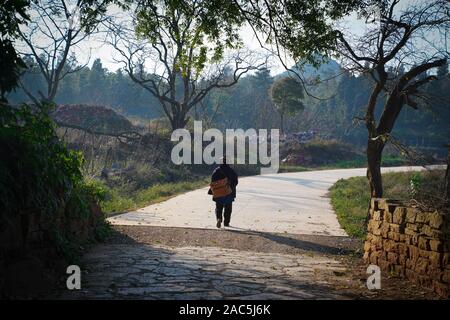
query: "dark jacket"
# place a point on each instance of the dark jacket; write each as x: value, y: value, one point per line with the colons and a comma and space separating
x: 225, y: 171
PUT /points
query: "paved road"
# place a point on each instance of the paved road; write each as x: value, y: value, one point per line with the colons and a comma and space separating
x: 294, y: 203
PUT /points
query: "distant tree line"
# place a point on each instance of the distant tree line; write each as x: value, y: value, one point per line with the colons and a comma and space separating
x: 342, y: 115
x: 248, y: 104
x: 95, y: 85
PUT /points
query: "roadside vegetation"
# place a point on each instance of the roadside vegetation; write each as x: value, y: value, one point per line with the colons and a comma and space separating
x: 119, y: 200
x: 350, y: 197
x: 41, y: 180
x: 330, y: 154
x: 358, y: 162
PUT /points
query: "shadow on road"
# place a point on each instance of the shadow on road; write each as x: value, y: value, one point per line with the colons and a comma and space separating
x: 237, y: 238
x: 299, y: 243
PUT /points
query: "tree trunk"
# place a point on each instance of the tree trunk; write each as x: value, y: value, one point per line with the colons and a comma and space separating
x: 282, y: 122
x: 179, y: 121
x: 374, y: 153
x: 447, y: 177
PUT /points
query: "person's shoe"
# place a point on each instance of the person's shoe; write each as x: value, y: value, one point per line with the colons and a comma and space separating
x: 219, y: 223
x: 226, y: 224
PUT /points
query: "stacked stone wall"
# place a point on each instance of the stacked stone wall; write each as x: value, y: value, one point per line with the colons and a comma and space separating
x: 409, y: 243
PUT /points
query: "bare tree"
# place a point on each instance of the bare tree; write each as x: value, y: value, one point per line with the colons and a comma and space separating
x: 184, y: 45
x: 56, y: 27
x: 395, y: 37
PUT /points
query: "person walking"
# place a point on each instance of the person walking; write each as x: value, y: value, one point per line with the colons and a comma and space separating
x: 223, y: 188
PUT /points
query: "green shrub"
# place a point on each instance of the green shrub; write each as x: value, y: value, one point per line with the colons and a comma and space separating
x: 40, y: 177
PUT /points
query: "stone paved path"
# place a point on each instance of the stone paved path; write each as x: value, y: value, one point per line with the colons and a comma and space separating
x: 157, y: 272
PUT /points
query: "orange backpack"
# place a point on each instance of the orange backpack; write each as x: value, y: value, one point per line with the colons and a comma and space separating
x: 220, y: 188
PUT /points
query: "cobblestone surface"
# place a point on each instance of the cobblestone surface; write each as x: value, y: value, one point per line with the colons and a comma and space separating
x: 160, y: 272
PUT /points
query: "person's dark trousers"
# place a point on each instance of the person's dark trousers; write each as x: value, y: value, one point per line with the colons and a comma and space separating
x: 227, y: 212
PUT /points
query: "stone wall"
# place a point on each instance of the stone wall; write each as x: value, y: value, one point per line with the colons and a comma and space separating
x: 30, y: 263
x: 409, y: 243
